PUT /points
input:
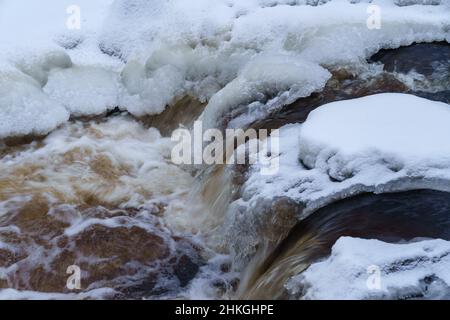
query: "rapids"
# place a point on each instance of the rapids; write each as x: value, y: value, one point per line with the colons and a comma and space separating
x: 86, y: 175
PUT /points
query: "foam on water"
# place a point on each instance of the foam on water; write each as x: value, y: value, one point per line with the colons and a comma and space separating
x: 88, y: 194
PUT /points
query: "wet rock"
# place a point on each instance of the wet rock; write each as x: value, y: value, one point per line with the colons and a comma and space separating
x: 20, y: 140
x: 8, y: 258
x: 185, y: 269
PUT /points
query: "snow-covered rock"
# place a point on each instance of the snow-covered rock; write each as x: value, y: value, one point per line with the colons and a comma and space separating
x: 380, y: 143
x: 372, y: 269
x: 397, y: 130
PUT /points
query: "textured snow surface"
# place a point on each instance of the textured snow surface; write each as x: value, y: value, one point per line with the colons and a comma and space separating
x: 141, y: 55
x: 372, y: 269
x: 409, y: 130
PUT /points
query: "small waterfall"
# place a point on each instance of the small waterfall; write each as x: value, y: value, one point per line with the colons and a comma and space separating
x: 392, y: 217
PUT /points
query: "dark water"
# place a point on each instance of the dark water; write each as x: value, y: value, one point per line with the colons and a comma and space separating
x: 422, y: 57
x: 392, y: 218
x: 431, y: 60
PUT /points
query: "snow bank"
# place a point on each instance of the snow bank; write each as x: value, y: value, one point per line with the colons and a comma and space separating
x: 410, y: 270
x: 402, y: 130
x: 145, y: 54
x: 380, y: 143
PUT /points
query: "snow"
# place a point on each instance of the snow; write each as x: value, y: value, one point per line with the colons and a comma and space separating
x: 381, y: 143
x: 146, y: 54
x: 25, y: 109
x: 74, y: 88
x: 266, y: 76
x: 381, y: 126
x: 408, y: 270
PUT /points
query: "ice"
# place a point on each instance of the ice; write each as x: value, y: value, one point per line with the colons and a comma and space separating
x: 84, y: 90
x: 25, y: 109
x: 372, y: 269
x: 145, y: 55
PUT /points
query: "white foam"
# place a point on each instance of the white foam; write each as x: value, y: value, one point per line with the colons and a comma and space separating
x: 118, y: 161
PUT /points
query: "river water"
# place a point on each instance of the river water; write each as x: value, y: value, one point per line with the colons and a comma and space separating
x: 102, y: 194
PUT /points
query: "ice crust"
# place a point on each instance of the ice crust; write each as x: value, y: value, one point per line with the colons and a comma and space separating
x: 141, y: 55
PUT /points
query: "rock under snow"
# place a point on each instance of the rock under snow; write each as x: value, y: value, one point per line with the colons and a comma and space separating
x: 372, y: 269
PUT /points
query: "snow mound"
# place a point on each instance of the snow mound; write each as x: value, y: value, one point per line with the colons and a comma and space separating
x: 25, y: 109
x: 83, y: 90
x: 399, y: 129
x: 372, y: 269
x: 146, y: 54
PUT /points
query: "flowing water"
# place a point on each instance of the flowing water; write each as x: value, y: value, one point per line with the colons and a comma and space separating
x: 396, y: 218
x: 103, y: 194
